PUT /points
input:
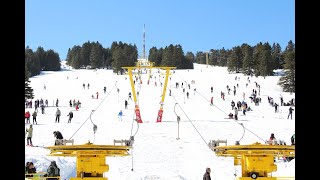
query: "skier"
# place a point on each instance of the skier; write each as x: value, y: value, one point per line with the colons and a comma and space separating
x: 58, y: 114
x: 70, y: 116
x: 29, y: 136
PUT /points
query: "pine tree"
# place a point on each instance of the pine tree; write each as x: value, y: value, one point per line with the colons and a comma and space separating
x: 28, y: 91
x: 287, y: 82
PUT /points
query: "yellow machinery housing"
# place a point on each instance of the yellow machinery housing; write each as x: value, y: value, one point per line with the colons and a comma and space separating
x: 147, y: 65
x: 256, y: 160
x: 91, y: 159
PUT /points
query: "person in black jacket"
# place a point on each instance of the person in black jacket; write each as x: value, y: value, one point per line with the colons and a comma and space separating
x: 206, y: 175
x: 58, y: 136
x: 30, y: 169
x: 53, y: 171
x: 70, y: 116
x: 290, y: 112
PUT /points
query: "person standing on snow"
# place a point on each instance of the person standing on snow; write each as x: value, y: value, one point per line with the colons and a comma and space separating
x: 29, y: 136
x: 58, y: 136
x: 27, y: 116
x: 290, y: 112
x: 211, y: 101
x: 70, y: 116
x: 293, y: 139
x: 125, y: 104
x: 57, y: 102
x: 235, y: 113
x: 120, y: 114
x: 58, y: 114
x: 34, y: 117
x: 206, y: 175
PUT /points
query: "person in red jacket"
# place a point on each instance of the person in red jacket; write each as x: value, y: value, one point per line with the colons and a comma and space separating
x: 27, y: 116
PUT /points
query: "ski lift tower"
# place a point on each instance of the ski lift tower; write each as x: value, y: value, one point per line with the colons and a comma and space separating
x: 91, y: 159
x: 145, y: 64
x: 256, y: 160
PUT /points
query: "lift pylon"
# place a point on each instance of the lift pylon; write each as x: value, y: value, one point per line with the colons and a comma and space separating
x: 256, y: 160
x: 91, y: 159
x: 147, y: 65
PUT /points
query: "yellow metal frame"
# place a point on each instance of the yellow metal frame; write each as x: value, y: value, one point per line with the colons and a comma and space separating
x: 148, y: 65
x: 256, y: 158
x: 91, y: 159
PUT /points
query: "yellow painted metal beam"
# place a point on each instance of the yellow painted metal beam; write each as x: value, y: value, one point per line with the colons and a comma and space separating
x: 132, y: 86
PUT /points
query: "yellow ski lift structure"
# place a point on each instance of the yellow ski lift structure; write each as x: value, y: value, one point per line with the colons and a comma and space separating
x: 91, y: 158
x: 144, y: 64
x: 256, y: 160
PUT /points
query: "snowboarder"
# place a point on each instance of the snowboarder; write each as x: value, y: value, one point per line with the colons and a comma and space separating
x: 290, y: 112
x: 58, y: 114
x: 70, y: 116
x: 29, y: 136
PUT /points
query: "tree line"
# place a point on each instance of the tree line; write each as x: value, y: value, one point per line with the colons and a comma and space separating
x: 258, y: 60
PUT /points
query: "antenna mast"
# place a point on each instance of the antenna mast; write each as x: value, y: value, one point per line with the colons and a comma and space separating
x: 144, y: 41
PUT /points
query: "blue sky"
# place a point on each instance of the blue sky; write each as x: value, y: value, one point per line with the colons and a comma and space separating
x: 195, y: 25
